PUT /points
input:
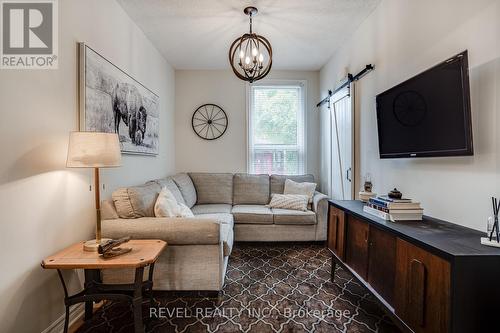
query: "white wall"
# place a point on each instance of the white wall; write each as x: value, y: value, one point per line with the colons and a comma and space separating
x: 403, y: 38
x: 228, y: 153
x: 46, y: 207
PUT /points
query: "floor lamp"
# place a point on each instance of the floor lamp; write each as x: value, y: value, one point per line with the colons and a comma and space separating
x: 94, y: 150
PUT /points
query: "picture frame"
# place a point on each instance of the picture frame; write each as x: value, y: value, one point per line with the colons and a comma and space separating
x: 110, y: 100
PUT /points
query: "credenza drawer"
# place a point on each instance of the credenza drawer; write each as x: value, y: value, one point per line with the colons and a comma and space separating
x: 356, y: 250
x: 422, y: 289
x: 336, y: 228
x: 382, y: 263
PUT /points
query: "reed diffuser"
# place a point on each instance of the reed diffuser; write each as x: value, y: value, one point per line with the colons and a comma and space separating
x: 493, y: 238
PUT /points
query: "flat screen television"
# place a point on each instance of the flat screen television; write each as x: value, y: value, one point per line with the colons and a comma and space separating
x: 429, y: 114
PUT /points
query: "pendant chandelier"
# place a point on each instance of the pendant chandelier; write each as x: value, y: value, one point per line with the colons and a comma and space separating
x: 251, y: 55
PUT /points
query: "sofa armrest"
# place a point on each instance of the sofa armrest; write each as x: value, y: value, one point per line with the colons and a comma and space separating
x: 320, y: 207
x: 319, y: 199
x: 175, y: 231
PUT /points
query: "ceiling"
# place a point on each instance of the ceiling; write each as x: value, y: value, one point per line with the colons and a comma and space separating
x: 197, y: 34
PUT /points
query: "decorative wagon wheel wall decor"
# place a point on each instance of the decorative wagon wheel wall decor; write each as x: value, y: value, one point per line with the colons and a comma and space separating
x: 209, y: 121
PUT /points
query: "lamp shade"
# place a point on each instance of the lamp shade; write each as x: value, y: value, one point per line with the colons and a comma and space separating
x: 93, y: 150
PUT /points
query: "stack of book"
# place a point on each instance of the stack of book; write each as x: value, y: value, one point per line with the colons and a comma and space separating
x: 394, y: 209
x: 365, y: 196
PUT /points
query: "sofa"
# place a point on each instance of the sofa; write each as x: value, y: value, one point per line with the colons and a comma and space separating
x: 227, y: 208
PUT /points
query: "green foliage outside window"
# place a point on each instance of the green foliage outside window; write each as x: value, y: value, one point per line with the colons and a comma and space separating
x: 275, y: 118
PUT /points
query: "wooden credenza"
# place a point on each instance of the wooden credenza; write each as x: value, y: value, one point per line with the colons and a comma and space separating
x: 429, y: 276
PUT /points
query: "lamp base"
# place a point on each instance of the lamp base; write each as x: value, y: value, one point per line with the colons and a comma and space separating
x: 93, y: 245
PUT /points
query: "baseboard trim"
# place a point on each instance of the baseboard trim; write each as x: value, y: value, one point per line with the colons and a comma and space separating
x: 75, y: 313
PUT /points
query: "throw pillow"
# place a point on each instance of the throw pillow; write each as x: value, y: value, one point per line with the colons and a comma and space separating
x: 184, y: 211
x: 123, y: 205
x: 304, y: 188
x: 167, y: 206
x: 289, y: 201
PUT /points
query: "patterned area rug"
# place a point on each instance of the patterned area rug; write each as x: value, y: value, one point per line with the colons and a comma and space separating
x: 269, y: 288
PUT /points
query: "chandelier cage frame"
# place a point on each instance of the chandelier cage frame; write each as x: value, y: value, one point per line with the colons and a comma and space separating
x: 247, y: 64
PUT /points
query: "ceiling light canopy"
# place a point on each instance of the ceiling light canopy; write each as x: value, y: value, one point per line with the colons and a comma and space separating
x: 251, y: 55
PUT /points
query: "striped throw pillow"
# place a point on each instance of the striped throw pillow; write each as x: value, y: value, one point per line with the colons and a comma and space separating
x: 289, y: 201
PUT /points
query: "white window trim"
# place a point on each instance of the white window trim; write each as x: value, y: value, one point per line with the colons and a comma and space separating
x: 276, y: 82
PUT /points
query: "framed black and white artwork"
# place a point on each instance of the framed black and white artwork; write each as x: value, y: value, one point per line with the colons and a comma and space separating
x: 114, y: 102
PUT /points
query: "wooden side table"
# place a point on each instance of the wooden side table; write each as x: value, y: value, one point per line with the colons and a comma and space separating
x: 144, y: 253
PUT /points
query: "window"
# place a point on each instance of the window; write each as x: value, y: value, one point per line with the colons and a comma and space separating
x: 276, y: 128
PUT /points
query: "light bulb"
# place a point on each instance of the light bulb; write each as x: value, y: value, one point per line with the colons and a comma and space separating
x: 261, y: 57
x: 247, y: 60
x: 254, y: 52
x: 242, y: 54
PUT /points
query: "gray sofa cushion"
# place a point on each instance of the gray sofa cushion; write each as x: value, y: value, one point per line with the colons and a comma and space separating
x: 278, y: 181
x: 136, y: 201
x: 211, y: 209
x: 171, y: 186
x: 288, y: 216
x: 250, y: 189
x: 186, y: 186
x: 258, y: 214
x: 222, y: 218
x: 213, y: 188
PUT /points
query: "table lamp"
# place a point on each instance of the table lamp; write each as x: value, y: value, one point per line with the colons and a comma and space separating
x: 94, y: 150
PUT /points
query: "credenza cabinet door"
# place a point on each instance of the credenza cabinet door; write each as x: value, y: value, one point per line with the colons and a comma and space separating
x: 336, y: 231
x: 422, y: 289
x: 382, y: 263
x: 356, y: 247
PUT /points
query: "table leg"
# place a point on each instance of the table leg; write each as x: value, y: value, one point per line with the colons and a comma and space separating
x: 334, y: 264
x: 91, y: 276
x: 137, y: 300
x: 150, y: 279
x: 66, y: 317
